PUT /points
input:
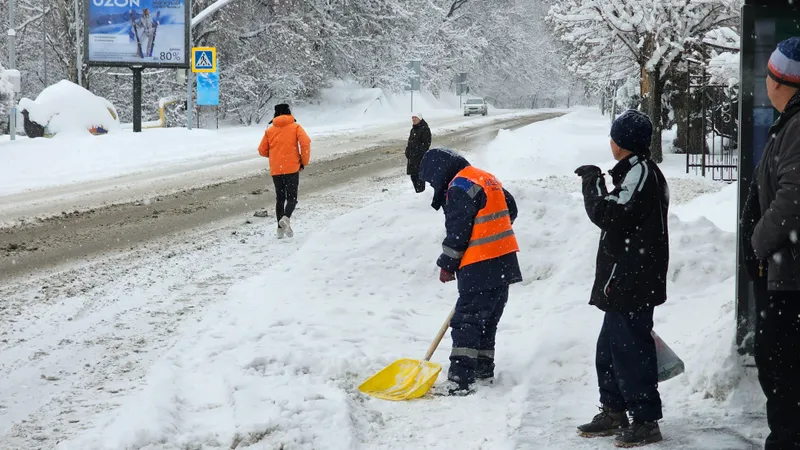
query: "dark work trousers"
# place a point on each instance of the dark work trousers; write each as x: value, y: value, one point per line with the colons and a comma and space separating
x: 777, y: 355
x: 474, y: 326
x: 286, y: 187
x: 419, y: 185
x: 627, y: 368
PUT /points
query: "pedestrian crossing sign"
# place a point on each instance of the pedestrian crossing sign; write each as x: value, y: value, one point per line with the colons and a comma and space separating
x: 204, y: 59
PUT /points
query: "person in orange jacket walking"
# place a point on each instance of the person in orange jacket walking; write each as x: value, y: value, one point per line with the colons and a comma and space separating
x: 288, y: 148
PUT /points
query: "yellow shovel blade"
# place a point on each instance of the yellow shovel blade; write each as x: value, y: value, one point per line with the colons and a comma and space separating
x: 404, y: 379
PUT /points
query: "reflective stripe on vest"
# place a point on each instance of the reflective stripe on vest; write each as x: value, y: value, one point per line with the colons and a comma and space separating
x: 492, y: 235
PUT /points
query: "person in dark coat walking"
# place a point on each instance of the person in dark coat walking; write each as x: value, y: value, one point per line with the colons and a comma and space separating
x: 774, y: 206
x: 630, y: 281
x: 480, y: 250
x: 419, y: 141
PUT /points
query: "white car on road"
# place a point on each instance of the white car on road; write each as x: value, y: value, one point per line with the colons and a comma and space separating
x: 476, y: 106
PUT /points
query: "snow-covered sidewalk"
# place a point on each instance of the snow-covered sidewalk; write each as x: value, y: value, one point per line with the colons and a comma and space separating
x: 275, y: 364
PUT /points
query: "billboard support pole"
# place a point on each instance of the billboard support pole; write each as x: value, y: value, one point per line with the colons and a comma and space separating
x: 137, y: 98
x: 189, y: 77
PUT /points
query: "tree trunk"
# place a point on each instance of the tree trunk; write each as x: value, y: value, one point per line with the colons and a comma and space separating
x: 652, y: 100
x: 690, y: 132
x: 644, y: 89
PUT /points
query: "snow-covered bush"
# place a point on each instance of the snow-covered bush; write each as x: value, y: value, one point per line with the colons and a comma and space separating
x: 67, y: 107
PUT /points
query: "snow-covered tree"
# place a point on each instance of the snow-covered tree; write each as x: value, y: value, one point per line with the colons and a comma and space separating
x: 723, y: 61
x: 6, y: 94
x: 621, y: 37
x: 286, y: 50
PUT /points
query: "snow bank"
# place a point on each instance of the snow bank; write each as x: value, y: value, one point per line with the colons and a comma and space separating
x: 66, y: 107
x: 353, y: 105
x: 277, y: 364
x: 83, y: 157
x: 552, y: 148
x: 719, y: 207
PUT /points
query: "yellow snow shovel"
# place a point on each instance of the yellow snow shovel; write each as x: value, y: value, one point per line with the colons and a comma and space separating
x: 406, y: 379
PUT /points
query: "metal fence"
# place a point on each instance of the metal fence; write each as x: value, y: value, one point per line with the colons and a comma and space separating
x: 711, y: 144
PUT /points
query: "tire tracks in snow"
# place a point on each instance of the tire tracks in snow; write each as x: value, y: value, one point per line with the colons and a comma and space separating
x: 76, y: 236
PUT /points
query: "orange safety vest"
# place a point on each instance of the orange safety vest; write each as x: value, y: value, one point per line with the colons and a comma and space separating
x: 492, y: 235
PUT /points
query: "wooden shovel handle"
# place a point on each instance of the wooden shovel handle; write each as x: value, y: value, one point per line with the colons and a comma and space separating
x: 440, y: 335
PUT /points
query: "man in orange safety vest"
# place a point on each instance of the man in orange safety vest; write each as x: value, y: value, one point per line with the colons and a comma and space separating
x: 480, y: 250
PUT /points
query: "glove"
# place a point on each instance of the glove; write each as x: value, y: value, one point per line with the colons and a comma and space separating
x: 445, y: 276
x: 588, y: 171
x: 302, y: 167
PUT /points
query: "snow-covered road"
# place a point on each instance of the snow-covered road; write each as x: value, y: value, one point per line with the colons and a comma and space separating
x: 40, y: 177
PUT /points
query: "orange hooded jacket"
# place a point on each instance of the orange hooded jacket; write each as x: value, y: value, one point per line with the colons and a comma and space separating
x: 280, y: 144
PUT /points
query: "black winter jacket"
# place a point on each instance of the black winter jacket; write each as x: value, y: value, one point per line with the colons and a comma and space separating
x: 776, y: 236
x: 633, y: 256
x: 419, y: 141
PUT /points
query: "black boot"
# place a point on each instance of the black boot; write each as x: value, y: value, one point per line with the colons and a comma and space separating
x: 451, y: 388
x: 606, y: 423
x: 641, y: 433
x: 484, y: 372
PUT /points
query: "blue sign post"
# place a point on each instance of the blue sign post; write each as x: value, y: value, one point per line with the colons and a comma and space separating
x: 204, y: 64
x: 208, y: 89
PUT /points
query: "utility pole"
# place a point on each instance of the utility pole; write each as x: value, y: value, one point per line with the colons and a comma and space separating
x: 12, y: 64
x: 45, y: 10
x: 189, y: 75
x: 78, y: 59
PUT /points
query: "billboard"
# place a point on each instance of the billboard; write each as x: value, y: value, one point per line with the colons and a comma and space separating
x: 208, y: 89
x: 147, y: 33
x: 763, y: 26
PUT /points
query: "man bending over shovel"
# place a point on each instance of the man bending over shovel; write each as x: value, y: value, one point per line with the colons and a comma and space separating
x: 481, y: 251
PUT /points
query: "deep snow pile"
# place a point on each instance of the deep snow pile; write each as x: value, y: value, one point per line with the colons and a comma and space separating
x: 353, y: 105
x: 66, y: 107
x: 277, y: 363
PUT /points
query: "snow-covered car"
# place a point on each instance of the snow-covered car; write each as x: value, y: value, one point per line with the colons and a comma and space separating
x: 476, y: 106
x: 67, y: 107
